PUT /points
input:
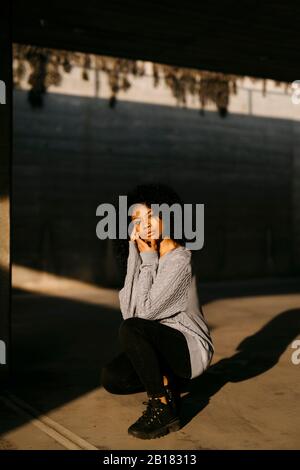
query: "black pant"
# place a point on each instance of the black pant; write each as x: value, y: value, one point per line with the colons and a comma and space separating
x: 150, y: 350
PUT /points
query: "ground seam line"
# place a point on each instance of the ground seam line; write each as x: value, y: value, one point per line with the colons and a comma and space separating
x: 59, y: 433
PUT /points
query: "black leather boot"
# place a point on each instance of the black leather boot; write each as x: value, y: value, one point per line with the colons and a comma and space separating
x: 157, y: 420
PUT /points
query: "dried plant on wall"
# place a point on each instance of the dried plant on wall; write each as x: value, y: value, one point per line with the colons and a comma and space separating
x: 47, y: 67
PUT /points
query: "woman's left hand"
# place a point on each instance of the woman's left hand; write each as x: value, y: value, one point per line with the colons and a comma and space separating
x: 151, y: 245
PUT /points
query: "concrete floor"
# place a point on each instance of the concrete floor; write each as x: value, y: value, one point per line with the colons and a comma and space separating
x: 248, y: 399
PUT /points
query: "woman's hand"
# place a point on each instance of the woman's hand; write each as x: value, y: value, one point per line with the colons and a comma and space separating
x: 133, y: 235
x: 142, y: 245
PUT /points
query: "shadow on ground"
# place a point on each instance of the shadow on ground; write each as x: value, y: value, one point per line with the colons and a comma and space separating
x: 60, y: 347
x: 254, y: 355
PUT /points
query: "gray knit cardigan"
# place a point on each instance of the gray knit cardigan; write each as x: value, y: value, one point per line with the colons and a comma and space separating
x: 164, y: 289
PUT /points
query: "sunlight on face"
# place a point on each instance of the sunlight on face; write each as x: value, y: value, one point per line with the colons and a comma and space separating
x: 148, y: 225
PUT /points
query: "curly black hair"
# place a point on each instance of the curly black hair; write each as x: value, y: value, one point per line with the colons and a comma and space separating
x: 147, y: 194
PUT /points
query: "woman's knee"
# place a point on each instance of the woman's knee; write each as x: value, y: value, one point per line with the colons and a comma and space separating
x: 109, y: 381
x: 129, y: 326
x: 118, y: 384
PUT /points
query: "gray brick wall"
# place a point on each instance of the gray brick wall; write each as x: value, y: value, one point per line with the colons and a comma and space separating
x: 77, y: 152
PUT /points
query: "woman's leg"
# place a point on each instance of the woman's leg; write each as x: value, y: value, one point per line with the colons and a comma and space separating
x: 120, y: 377
x: 154, y: 349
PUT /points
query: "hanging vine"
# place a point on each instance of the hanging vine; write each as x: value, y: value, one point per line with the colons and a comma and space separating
x: 47, y: 67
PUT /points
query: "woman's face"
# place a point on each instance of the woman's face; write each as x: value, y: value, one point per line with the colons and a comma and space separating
x: 148, y: 225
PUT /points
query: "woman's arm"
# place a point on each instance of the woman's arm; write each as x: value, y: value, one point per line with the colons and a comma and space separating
x: 127, y: 293
x: 161, y: 293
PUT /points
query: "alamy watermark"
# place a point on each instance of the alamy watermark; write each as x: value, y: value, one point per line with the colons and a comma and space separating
x: 182, y: 217
x: 2, y: 92
x: 2, y: 352
x: 296, y: 92
x: 296, y: 354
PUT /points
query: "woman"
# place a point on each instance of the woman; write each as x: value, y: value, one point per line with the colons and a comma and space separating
x: 164, y: 336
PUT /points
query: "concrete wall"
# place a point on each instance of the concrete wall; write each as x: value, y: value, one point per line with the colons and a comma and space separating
x: 5, y: 183
x: 76, y: 153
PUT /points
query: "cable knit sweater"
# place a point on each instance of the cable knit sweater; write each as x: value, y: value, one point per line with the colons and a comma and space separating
x: 164, y: 289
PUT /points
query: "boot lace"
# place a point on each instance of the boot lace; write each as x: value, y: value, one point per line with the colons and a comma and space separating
x: 152, y: 410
